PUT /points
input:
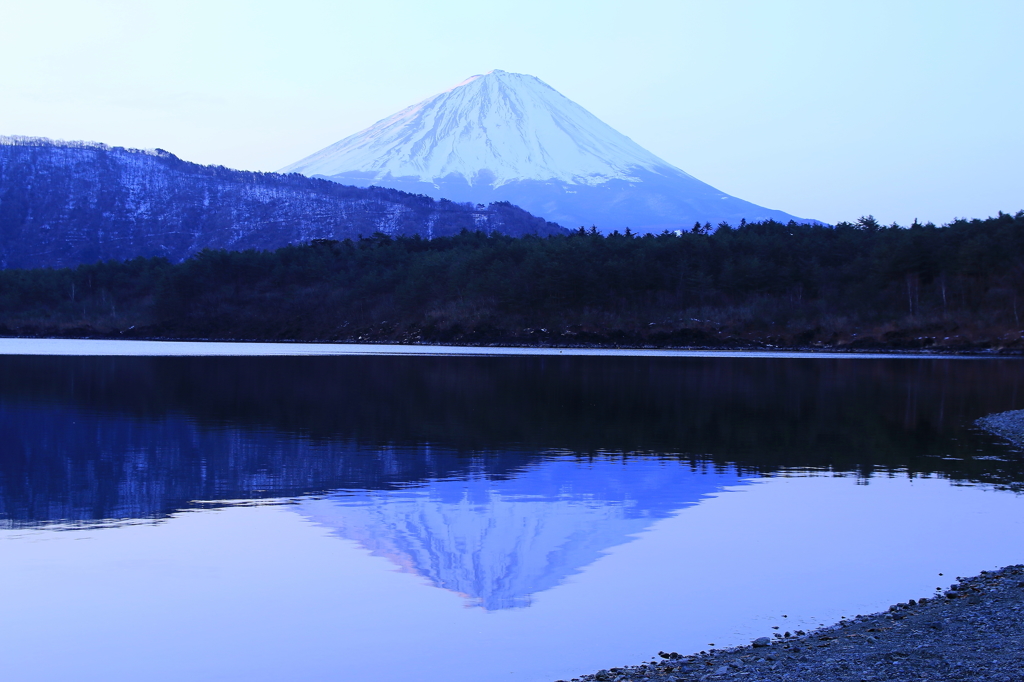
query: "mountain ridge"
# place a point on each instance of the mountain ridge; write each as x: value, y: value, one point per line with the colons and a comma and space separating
x: 68, y: 203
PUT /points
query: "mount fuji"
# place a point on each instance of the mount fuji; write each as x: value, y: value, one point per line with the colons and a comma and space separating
x: 511, y: 137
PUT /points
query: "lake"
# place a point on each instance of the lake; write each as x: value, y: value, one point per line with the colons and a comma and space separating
x: 285, y: 511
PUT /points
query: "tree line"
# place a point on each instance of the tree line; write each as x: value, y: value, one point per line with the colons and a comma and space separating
x: 856, y: 284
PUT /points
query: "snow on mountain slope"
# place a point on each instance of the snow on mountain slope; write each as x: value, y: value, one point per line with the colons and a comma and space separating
x: 506, y: 136
x: 67, y: 203
x: 503, y: 126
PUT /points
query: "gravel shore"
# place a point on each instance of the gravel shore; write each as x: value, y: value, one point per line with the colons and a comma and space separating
x: 972, y: 631
x: 1009, y: 425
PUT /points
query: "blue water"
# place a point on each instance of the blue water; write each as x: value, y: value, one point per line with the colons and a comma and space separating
x: 467, y: 519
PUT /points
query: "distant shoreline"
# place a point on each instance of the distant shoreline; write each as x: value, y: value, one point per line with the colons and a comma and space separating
x: 763, y: 286
x: 39, y: 345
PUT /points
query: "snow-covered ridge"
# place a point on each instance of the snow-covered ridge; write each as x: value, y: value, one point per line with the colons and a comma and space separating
x: 71, y: 203
x: 26, y: 141
x: 490, y: 129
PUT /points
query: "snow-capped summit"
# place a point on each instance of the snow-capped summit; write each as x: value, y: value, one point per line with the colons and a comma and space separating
x: 511, y: 136
x: 505, y: 126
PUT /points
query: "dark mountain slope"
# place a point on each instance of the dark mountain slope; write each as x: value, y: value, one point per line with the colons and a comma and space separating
x: 63, y: 204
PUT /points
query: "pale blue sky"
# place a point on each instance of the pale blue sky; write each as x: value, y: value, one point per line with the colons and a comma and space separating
x: 828, y: 109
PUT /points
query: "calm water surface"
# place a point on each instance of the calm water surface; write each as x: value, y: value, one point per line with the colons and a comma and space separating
x: 478, y: 518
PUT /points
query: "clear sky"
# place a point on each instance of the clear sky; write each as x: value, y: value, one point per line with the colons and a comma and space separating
x: 827, y: 109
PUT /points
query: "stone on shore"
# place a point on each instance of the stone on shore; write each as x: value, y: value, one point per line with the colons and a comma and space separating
x: 977, y: 634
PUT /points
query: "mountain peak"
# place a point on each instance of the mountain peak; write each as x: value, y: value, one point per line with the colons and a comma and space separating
x: 502, y: 136
x: 495, y: 128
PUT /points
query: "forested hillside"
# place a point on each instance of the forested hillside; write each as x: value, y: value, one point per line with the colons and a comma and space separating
x: 855, y: 285
x: 68, y: 203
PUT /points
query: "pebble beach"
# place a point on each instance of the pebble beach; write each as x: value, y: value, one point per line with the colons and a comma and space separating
x: 974, y: 630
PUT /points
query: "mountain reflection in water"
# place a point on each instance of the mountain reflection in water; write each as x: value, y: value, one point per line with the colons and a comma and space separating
x: 497, y: 542
x: 492, y: 477
x: 135, y: 437
x: 634, y: 504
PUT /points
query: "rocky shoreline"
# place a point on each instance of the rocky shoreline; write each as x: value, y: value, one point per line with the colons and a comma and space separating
x: 972, y: 631
x: 1008, y: 425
